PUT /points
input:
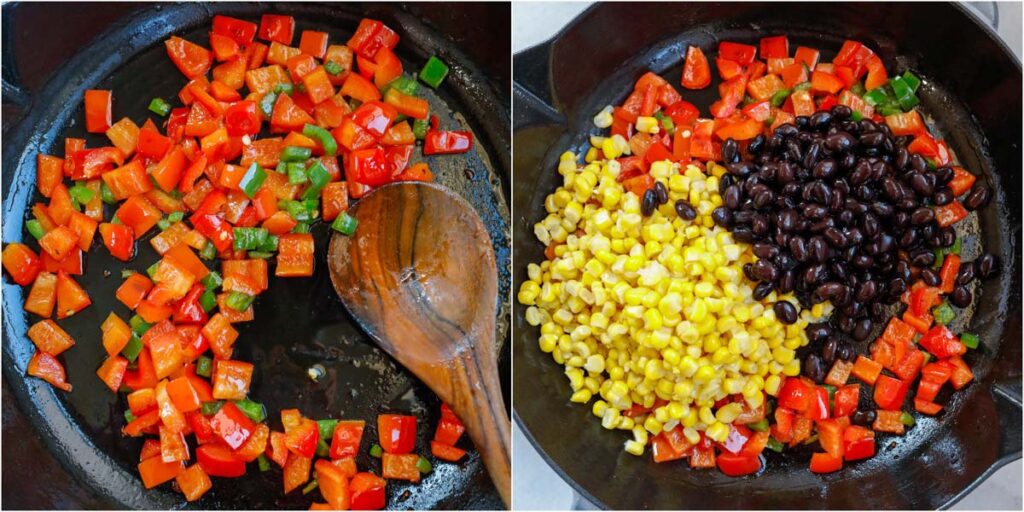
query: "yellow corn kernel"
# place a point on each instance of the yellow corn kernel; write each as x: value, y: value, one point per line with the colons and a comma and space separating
x: 634, y: 448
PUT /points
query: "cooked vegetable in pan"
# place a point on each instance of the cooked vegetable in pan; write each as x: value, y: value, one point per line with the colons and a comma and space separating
x: 209, y: 190
x: 710, y: 282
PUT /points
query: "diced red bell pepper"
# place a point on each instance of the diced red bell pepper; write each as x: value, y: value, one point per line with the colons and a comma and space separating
x: 276, y: 449
x: 818, y: 409
x: 21, y: 263
x: 276, y: 27
x: 908, y: 123
x: 825, y: 463
x: 775, y: 47
x: 367, y: 492
x: 449, y: 428
x: 949, y: 214
x: 242, y: 118
x: 738, y: 437
x: 738, y: 464
x: 370, y: 36
x: 48, y: 368
x: 846, y: 399
x: 191, y: 59
x: 243, y: 32
x: 923, y: 298
x: 795, y: 394
x: 942, y: 343
x: 741, y: 53
x: 219, y: 460
x: 921, y: 323
x: 397, y: 433
x: 452, y: 454
x: 97, y: 110
x: 926, y: 407
x: 858, y: 443
x: 144, y: 376
x: 696, y: 71
x: 782, y: 430
x: 216, y: 229
x: 346, y: 439
x: 890, y: 392
x: 703, y: 454
x: 908, y: 367
x: 962, y: 374
x: 948, y: 272
x: 287, y: 116
x: 302, y: 439
x: 232, y: 425
x: 255, y: 445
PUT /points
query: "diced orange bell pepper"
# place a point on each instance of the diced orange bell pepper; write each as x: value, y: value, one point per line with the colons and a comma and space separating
x: 43, y: 295
x: 154, y: 471
x: 231, y: 379
x: 71, y: 298
x: 194, y: 482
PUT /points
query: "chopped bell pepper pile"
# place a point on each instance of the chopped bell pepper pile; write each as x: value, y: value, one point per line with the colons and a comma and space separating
x: 205, y: 187
x: 763, y: 87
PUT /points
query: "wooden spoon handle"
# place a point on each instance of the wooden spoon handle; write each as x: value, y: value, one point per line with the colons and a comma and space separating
x: 482, y: 410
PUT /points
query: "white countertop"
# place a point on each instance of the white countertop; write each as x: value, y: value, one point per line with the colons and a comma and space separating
x: 536, y: 486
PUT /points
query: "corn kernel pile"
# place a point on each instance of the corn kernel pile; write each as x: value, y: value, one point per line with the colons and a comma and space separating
x: 645, y: 308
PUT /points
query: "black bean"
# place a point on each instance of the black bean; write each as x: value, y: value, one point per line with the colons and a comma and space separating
x: 986, y: 265
x: 814, y: 274
x: 756, y: 145
x: 732, y: 197
x: 649, y: 203
x: 930, y: 277
x: 762, y: 290
x: 798, y: 248
x: 685, y: 211
x: 765, y: 251
x: 864, y: 417
x: 921, y: 185
x: 845, y: 352
x: 862, y: 329
x: 740, y: 169
x: 828, y: 352
x: 787, y: 282
x: 867, y: 291
x: 943, y: 175
x: 820, y: 120
x: 765, y: 271
x: 922, y: 258
x: 839, y: 142
x: 841, y: 112
x: 818, y: 332
x: 922, y: 215
x: 722, y: 217
x: 966, y: 274
x: 872, y: 139
x: 978, y: 197
x: 902, y: 158
x: 730, y: 151
x: 660, y: 193
x: 785, y: 312
x: 818, y: 248
x: 814, y: 368
x: 961, y: 297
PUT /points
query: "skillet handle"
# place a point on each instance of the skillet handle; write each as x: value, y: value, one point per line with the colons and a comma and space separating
x: 1008, y: 404
x: 13, y: 92
x: 531, y: 90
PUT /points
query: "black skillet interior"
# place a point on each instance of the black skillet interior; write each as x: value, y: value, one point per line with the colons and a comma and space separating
x: 972, y: 88
x: 299, y: 322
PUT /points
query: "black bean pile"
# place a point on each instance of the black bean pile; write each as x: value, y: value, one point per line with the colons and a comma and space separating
x: 839, y: 210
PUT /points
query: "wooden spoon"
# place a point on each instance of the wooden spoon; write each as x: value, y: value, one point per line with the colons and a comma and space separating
x: 419, y: 276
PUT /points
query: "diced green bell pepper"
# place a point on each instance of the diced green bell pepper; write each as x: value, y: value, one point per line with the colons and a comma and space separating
x: 267, y: 104
x: 345, y: 224
x: 132, y: 349
x: 319, y: 177
x: 211, y: 408
x: 204, y: 366
x: 239, y: 301
x: 107, y: 195
x: 904, y: 93
x: 252, y: 180
x: 912, y: 80
x: 419, y: 128
x: 249, y: 239
x: 213, y: 280
x: 138, y: 325
x: 323, y: 136
x: 970, y: 340
x: 254, y: 410
x: 780, y: 97
x: 35, y: 228
x: 208, y: 252
x: 943, y: 313
x: 263, y: 462
x: 159, y: 107
x: 433, y: 72
x: 295, y: 154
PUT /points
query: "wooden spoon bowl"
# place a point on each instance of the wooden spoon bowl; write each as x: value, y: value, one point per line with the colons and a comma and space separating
x: 419, y: 276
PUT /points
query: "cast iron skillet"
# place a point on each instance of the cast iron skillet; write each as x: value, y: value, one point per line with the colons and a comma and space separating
x: 299, y: 322
x: 972, y: 88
